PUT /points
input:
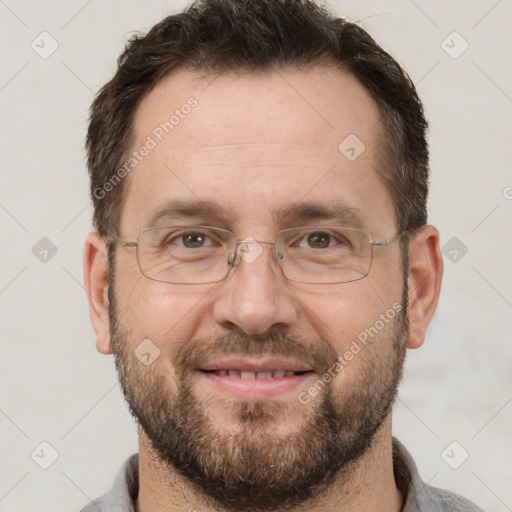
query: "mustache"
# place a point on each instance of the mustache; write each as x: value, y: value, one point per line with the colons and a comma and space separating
x: 319, y: 355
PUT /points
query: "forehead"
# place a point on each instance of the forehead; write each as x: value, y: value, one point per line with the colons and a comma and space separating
x: 256, y: 144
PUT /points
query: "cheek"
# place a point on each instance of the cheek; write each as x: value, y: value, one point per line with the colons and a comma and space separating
x: 167, y: 315
x: 363, y: 334
x: 349, y: 311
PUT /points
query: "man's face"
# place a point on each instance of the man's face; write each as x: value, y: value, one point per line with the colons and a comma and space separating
x: 253, y: 148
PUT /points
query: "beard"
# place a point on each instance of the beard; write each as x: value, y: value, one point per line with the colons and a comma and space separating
x: 251, y: 465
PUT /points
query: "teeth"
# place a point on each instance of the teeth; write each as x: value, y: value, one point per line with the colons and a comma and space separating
x: 248, y: 375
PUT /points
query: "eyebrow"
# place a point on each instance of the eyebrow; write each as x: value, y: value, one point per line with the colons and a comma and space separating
x: 179, y: 208
x: 317, y: 211
x: 295, y: 212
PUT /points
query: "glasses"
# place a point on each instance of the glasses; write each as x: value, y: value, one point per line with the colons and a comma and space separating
x: 205, y: 254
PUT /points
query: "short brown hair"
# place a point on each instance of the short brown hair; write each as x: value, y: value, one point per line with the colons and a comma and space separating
x: 256, y: 36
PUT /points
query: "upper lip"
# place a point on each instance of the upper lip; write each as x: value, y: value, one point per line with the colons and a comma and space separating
x: 260, y: 365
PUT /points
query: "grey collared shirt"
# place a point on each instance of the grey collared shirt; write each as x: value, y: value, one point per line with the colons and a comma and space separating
x: 418, y: 496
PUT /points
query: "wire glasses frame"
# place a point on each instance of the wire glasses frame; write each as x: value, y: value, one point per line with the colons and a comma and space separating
x: 188, y: 254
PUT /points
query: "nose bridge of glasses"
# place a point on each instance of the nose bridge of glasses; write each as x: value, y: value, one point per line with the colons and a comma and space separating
x: 251, y: 240
x: 248, y: 250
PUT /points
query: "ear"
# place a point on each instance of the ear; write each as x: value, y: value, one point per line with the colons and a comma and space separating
x: 425, y: 276
x: 96, y: 284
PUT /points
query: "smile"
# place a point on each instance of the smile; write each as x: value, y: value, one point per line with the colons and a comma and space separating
x: 255, y: 385
x: 250, y: 375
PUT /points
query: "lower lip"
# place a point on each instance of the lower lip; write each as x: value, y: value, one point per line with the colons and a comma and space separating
x: 255, y: 389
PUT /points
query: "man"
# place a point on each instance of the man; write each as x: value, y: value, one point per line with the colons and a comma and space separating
x: 259, y: 173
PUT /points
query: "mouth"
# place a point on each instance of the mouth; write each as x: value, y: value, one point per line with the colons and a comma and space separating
x: 255, y: 375
x: 255, y: 380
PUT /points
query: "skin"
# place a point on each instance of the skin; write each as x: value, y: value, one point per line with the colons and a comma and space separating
x: 254, y: 157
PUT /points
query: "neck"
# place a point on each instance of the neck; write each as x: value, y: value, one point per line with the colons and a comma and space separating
x: 368, y: 486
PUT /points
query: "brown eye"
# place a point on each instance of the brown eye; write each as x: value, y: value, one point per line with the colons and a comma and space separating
x: 193, y: 240
x: 319, y: 240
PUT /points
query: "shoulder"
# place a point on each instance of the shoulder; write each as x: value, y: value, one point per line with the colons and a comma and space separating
x: 447, y: 501
x: 121, y: 498
x: 418, y: 496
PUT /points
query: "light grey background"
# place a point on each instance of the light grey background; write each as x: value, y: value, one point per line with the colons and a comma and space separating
x: 56, y: 388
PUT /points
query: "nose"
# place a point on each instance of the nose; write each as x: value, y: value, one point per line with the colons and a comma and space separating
x: 255, y: 296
